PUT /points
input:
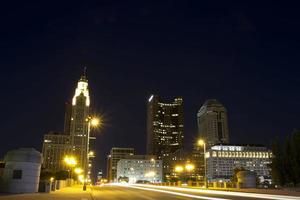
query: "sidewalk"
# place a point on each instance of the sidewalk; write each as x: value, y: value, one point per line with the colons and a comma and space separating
x: 69, y: 193
x: 259, y: 191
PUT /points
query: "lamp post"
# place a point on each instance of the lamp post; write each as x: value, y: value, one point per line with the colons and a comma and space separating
x: 178, y: 170
x: 71, y: 162
x: 93, y: 122
x: 153, y: 168
x: 202, y: 143
x: 189, y: 168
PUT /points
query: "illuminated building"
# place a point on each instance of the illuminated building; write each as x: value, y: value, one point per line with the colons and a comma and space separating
x: 80, y: 122
x: 112, y: 161
x: 68, y: 115
x: 212, y: 123
x: 74, y: 140
x: 165, y: 129
x: 197, y: 157
x: 140, y: 168
x: 223, y: 159
x: 55, y: 147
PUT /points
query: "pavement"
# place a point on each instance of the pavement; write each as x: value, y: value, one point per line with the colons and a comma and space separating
x: 69, y: 193
x: 143, y: 192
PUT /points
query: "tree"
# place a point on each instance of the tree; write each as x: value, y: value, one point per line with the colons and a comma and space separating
x: 295, y: 157
x: 235, y: 171
x: 46, y: 175
x: 285, y: 167
x: 62, y: 175
x: 277, y: 169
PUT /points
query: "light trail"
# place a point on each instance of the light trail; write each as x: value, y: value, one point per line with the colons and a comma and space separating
x: 170, y: 192
x: 227, y: 193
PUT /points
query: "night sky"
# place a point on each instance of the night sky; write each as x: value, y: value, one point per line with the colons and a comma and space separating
x: 246, y: 55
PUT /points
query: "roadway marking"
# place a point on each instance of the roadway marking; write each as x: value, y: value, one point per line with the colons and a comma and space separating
x: 227, y: 193
x: 174, y: 193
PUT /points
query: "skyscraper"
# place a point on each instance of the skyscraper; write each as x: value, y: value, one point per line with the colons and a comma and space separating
x: 165, y: 131
x: 212, y: 123
x: 164, y: 126
x: 80, y: 122
x: 68, y: 115
x: 75, y: 139
x: 56, y: 145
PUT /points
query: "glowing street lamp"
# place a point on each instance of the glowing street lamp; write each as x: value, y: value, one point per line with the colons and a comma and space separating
x: 201, y: 143
x: 95, y: 122
x: 71, y: 162
x: 179, y: 169
x: 78, y: 170
x: 189, y: 167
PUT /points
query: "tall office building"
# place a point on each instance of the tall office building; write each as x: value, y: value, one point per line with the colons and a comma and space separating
x: 212, y: 123
x: 68, y: 115
x: 165, y: 130
x: 116, y: 154
x: 56, y: 145
x: 80, y: 122
x: 164, y: 126
x: 74, y: 139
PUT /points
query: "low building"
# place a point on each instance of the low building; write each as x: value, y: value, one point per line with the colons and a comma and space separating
x: 140, y: 168
x: 116, y: 154
x: 55, y: 147
x: 223, y: 159
x: 21, y: 173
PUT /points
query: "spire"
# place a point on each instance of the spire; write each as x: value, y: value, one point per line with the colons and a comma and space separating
x: 84, y: 75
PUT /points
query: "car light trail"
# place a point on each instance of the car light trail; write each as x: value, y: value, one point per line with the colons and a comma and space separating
x: 170, y: 192
x: 227, y: 193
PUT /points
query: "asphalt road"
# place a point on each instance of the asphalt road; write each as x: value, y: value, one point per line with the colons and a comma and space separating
x: 138, y: 192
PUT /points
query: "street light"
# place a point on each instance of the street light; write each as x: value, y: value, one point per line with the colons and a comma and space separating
x: 201, y: 142
x: 71, y: 162
x: 93, y: 122
x: 78, y: 171
x: 179, y: 169
x: 189, y: 167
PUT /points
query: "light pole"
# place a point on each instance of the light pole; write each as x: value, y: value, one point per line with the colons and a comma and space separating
x: 178, y: 170
x: 189, y: 168
x: 93, y: 122
x: 202, y: 143
x: 71, y: 162
x: 153, y: 168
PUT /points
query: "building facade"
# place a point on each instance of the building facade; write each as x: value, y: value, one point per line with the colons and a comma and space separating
x: 223, y: 159
x: 213, y: 123
x: 79, y: 125
x: 56, y: 145
x: 74, y: 140
x: 197, y: 157
x: 165, y: 129
x: 116, y: 154
x: 140, y: 168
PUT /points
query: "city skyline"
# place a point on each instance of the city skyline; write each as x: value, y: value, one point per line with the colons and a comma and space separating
x: 241, y: 54
x: 142, y: 148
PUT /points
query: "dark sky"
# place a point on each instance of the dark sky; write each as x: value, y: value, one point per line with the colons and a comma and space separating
x: 246, y: 55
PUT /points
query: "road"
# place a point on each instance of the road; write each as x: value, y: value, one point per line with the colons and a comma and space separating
x: 143, y: 192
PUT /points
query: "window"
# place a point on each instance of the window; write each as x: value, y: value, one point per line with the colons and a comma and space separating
x: 17, y: 174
